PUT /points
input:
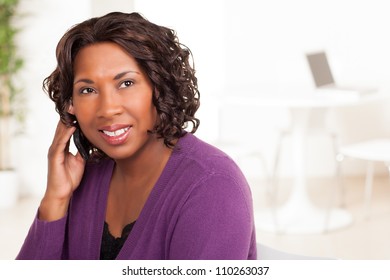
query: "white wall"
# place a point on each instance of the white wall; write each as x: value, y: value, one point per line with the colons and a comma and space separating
x: 237, y: 46
x: 102, y: 7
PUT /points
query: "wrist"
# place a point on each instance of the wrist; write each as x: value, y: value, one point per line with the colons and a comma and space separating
x: 52, y: 209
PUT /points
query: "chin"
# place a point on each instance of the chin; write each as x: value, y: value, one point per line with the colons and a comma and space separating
x: 119, y: 153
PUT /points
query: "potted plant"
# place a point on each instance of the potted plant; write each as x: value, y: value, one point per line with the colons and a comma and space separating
x: 10, y: 63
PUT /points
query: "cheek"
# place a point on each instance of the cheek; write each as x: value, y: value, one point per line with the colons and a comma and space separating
x: 143, y: 109
x: 154, y: 119
x: 83, y: 113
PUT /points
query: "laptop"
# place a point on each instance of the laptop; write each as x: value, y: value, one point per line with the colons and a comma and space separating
x: 323, y: 77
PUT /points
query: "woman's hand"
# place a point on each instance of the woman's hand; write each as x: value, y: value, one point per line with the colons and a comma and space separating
x: 65, y: 171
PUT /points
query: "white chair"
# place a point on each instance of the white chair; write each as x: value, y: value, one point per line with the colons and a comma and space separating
x: 371, y: 151
x: 240, y: 152
x: 268, y: 253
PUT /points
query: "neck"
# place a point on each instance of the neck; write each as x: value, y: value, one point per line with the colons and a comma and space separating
x: 145, y: 167
x: 132, y: 181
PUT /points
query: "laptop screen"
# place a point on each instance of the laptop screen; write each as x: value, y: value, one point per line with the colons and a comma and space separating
x: 320, y: 69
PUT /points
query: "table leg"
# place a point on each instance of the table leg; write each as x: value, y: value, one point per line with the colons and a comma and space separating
x: 299, y: 215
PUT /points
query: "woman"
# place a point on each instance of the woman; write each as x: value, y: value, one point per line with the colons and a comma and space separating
x: 140, y: 186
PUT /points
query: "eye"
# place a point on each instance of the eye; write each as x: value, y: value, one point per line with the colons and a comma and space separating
x: 87, y: 90
x: 126, y: 84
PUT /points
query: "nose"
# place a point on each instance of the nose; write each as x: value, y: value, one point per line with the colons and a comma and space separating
x: 110, y: 104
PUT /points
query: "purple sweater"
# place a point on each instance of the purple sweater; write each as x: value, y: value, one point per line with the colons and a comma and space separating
x: 200, y: 208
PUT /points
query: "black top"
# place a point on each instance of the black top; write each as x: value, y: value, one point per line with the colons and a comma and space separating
x: 112, y: 245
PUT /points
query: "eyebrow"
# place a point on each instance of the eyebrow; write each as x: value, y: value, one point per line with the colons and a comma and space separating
x: 87, y: 81
x: 117, y: 77
x: 120, y: 75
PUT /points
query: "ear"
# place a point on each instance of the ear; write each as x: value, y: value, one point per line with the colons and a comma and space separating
x: 71, y: 108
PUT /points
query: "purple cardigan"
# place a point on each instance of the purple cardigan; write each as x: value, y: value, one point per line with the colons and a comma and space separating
x: 200, y: 208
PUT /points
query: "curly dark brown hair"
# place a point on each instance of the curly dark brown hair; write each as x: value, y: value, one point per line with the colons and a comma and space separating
x: 157, y: 50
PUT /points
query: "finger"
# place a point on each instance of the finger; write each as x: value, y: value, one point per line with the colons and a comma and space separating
x: 61, y: 139
x: 63, y: 133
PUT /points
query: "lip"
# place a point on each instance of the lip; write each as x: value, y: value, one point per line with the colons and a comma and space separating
x: 115, y: 139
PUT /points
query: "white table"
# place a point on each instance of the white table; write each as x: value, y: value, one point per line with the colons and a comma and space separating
x: 299, y: 215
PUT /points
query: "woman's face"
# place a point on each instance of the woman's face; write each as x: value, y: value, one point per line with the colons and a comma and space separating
x: 112, y: 100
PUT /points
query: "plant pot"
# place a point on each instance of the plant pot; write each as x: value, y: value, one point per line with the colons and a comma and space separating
x: 8, y: 188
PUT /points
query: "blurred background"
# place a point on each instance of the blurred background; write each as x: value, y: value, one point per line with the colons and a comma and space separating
x: 253, y: 49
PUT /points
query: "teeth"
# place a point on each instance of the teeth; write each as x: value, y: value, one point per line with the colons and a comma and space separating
x: 116, y: 132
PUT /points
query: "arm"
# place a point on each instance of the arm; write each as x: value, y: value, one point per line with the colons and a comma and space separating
x: 216, y: 222
x: 46, y: 236
x: 65, y: 171
x: 44, y: 240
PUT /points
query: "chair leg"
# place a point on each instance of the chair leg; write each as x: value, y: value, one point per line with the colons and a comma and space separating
x: 275, y: 168
x: 266, y: 174
x: 339, y: 178
x: 387, y: 164
x: 269, y: 188
x: 368, y: 188
x: 339, y: 158
x: 274, y: 179
x: 339, y: 184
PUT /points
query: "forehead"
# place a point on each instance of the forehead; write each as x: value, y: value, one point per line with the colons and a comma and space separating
x: 103, y: 56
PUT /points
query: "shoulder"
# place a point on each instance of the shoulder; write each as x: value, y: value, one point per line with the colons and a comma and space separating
x: 211, y: 171
x: 205, y: 156
x: 216, y: 212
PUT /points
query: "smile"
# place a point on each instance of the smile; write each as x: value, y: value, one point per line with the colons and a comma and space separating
x: 115, y: 136
x: 116, y: 132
